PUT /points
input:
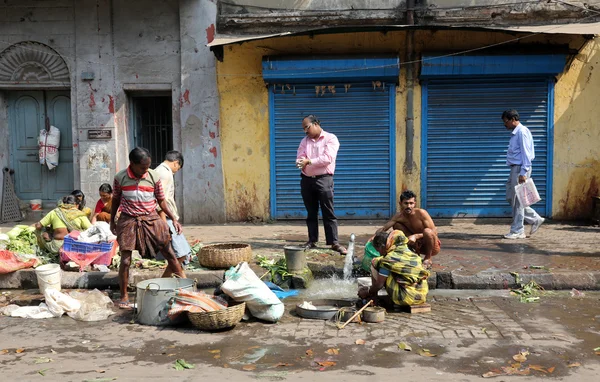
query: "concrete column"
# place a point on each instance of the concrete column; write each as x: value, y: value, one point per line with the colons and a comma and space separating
x: 203, y: 189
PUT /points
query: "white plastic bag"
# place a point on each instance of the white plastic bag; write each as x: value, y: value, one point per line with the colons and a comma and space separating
x: 36, y: 312
x: 49, y: 142
x: 95, y: 306
x: 242, y: 284
x: 59, y: 303
x: 527, y: 193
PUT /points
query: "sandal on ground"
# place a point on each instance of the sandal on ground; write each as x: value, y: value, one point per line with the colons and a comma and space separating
x: 125, y: 304
x: 339, y: 248
x: 310, y: 245
x: 427, y: 264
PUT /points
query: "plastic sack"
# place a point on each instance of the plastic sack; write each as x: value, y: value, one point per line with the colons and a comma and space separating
x: 58, y: 303
x: 49, y: 142
x: 527, y: 193
x: 242, y: 284
x: 36, y: 312
x: 95, y: 306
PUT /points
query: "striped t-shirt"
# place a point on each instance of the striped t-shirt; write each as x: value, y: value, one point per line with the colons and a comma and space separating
x: 138, y: 195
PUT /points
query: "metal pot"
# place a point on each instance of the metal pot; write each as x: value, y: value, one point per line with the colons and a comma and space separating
x: 152, y: 299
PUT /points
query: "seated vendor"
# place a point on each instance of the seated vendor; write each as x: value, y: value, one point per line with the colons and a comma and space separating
x: 104, y: 205
x: 57, y: 224
x: 398, y: 269
x: 80, y: 197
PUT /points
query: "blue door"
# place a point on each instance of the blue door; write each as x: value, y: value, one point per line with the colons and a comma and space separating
x: 361, y: 115
x: 27, y: 114
x: 465, y: 143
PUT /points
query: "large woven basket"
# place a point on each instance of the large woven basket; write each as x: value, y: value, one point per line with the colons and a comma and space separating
x: 219, y: 319
x: 224, y: 255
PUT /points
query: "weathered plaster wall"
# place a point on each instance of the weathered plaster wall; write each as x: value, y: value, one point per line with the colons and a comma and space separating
x: 577, y: 136
x: 245, y: 117
x: 203, y: 193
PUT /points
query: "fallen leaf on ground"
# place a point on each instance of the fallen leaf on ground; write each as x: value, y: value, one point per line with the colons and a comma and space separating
x: 43, y: 360
x: 19, y: 351
x: 538, y: 368
x: 326, y: 363
x: 226, y: 365
x: 249, y: 367
x: 551, y: 369
x: 253, y: 347
x: 4, y: 351
x: 214, y: 351
x: 42, y: 372
x: 52, y: 351
x: 404, y: 346
x: 217, y: 356
x: 101, y: 371
x: 598, y: 353
x: 491, y: 374
x: 520, y: 357
x: 283, y: 364
x: 483, y: 330
x: 180, y: 364
x: 333, y: 351
x: 170, y: 354
x: 426, y: 353
x: 309, y: 352
x: 515, y: 371
x: 574, y: 364
x: 597, y: 349
x: 360, y: 342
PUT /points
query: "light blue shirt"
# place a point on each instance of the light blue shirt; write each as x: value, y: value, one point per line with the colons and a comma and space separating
x: 520, y: 149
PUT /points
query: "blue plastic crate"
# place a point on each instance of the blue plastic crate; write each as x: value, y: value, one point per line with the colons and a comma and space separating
x: 75, y: 246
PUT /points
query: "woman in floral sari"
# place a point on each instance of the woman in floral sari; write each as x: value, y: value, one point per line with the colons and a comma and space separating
x: 398, y: 269
x: 57, y: 224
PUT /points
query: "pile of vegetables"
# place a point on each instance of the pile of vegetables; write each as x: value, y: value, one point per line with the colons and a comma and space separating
x: 22, y: 240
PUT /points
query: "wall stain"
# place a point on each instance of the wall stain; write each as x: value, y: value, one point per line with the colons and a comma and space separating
x: 210, y: 33
x: 212, y: 134
x: 582, y: 186
x: 92, y: 100
x: 246, y: 203
x: 111, y: 105
x: 213, y: 150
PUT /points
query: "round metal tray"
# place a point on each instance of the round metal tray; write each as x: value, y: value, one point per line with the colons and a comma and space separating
x: 326, y: 308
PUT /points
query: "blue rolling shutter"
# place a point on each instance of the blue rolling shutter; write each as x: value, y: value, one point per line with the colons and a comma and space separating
x: 465, y: 143
x: 361, y: 117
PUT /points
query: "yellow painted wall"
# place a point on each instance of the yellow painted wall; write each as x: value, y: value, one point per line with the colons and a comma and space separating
x: 245, y: 116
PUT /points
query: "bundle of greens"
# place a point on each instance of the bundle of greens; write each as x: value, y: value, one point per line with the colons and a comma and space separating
x: 22, y: 240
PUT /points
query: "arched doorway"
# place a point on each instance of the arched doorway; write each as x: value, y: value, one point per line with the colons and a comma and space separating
x: 36, y: 82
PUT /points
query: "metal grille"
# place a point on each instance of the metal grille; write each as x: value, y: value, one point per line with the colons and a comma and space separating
x: 10, y: 203
x: 153, y: 126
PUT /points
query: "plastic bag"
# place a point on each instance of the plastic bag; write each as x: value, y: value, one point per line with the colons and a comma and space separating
x: 36, y: 312
x: 370, y: 254
x: 95, y: 306
x: 59, y: 303
x: 527, y: 193
x: 242, y: 284
x: 49, y: 142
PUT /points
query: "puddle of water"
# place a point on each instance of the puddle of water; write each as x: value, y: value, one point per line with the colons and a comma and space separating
x: 334, y: 287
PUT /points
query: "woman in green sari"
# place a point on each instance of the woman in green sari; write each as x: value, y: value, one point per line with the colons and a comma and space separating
x: 398, y: 269
x: 57, y: 224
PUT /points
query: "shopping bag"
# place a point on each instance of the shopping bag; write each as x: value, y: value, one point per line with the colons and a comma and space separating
x: 527, y: 193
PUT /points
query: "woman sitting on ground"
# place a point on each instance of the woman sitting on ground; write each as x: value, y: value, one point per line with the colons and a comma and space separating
x: 399, y: 269
x: 104, y: 205
x: 57, y: 224
x: 80, y: 196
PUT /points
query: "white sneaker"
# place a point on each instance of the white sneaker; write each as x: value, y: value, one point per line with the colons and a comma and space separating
x: 535, y: 226
x: 513, y: 235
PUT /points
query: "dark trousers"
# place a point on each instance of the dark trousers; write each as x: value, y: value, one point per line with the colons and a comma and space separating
x: 315, y: 192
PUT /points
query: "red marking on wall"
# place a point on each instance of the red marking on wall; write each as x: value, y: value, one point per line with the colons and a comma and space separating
x: 213, y: 150
x: 92, y: 100
x: 74, y: 144
x: 208, y: 183
x: 186, y: 96
x: 111, y: 105
x: 212, y: 134
x: 136, y: 76
x: 211, y: 165
x: 210, y: 33
x: 102, y: 99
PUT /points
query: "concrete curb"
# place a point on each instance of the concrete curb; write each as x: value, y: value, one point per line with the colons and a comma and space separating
x: 26, y: 279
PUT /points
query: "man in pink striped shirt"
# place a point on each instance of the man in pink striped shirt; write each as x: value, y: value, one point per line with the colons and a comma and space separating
x: 138, y: 191
x: 316, y: 158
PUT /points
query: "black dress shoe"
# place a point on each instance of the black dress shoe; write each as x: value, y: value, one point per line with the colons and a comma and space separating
x: 340, y: 249
x: 310, y: 245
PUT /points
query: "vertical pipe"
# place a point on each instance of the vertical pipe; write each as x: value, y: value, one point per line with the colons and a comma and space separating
x: 410, y: 82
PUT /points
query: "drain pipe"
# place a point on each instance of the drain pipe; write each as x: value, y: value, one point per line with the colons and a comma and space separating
x: 410, y: 83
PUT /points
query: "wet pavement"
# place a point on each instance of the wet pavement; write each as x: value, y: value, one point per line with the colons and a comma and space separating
x: 470, y: 333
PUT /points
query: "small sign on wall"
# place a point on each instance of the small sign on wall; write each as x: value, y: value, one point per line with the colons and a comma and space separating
x: 99, y: 134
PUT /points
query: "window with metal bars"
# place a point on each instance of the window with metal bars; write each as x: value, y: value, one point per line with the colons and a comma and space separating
x: 153, y: 125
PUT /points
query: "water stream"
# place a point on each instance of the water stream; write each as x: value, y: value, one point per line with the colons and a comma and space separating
x: 349, y: 259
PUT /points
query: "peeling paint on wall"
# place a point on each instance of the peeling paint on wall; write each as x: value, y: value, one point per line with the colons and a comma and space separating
x: 98, y: 162
x: 111, y: 105
x: 210, y: 33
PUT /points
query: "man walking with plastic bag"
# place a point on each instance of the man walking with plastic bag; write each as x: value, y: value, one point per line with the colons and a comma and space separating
x: 519, y: 156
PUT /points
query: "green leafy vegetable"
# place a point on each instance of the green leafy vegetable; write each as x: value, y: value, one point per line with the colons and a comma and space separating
x: 180, y: 364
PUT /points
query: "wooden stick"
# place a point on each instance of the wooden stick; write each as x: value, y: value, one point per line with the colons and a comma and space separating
x: 355, y: 314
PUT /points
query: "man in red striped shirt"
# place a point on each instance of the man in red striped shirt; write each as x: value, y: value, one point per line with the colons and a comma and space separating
x: 138, y: 191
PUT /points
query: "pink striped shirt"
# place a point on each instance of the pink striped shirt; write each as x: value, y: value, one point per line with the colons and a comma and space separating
x: 138, y: 195
x: 322, y: 153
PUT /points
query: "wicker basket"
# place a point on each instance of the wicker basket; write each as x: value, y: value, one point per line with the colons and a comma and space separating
x: 224, y: 255
x: 219, y: 319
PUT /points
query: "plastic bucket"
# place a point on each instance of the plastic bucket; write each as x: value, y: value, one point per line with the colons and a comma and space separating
x: 295, y: 258
x: 48, y: 277
x: 35, y: 204
x: 152, y: 299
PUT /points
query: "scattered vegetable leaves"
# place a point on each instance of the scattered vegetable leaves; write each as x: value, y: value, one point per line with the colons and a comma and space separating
x: 521, y: 356
x: 326, y: 363
x: 333, y: 351
x: 309, y: 352
x: 43, y: 360
x: 19, y: 351
x: 426, y: 353
x: 180, y: 364
x: 574, y: 364
x: 360, y: 342
x: 249, y: 367
x: 404, y: 346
